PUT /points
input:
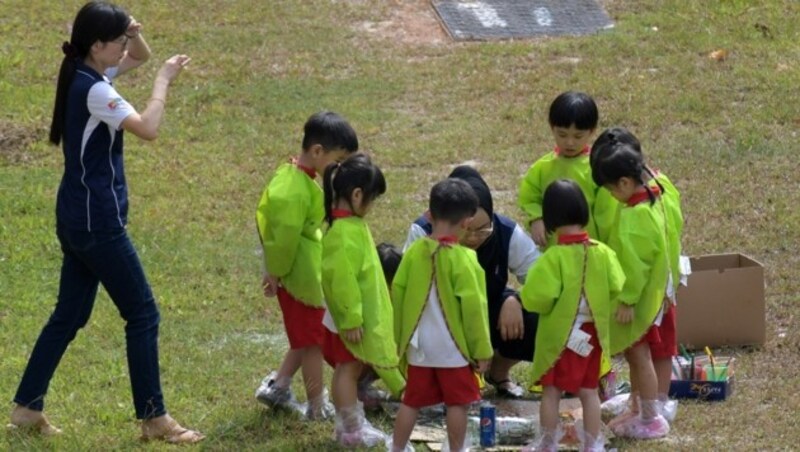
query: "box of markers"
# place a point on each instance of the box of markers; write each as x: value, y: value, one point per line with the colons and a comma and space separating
x: 697, y: 378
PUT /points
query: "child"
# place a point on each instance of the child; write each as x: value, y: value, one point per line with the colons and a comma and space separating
x: 289, y: 217
x: 670, y: 203
x: 639, y: 240
x: 571, y: 287
x: 441, y: 327
x: 359, y: 318
x: 573, y: 119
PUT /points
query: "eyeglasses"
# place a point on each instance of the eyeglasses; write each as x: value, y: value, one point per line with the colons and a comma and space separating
x: 122, y: 41
x: 483, y: 232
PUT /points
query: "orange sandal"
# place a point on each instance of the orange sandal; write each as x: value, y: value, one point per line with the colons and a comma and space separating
x: 171, y: 433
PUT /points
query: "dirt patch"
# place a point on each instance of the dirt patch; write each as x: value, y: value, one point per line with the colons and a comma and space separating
x: 16, y: 141
x: 411, y: 22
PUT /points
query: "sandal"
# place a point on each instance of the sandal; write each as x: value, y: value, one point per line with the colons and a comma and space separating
x: 172, y: 433
x: 506, y: 388
x: 37, y: 422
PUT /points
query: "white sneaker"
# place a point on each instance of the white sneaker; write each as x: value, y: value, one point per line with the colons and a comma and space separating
x: 668, y: 408
x: 274, y: 396
x: 321, y: 410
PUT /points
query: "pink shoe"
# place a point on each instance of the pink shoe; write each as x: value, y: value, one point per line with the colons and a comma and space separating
x: 658, y: 427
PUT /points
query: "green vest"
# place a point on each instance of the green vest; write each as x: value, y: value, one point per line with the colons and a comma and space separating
x: 640, y: 243
x: 289, y: 217
x: 357, y: 296
x: 553, y: 289
x: 606, y: 213
x: 461, y: 287
x: 548, y: 169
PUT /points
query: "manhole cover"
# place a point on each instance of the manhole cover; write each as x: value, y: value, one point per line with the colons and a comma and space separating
x: 506, y: 19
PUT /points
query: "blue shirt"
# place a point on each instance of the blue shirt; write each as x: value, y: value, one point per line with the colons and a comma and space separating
x: 93, y: 194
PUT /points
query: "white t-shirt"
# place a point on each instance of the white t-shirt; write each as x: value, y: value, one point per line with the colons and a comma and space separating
x: 431, y: 344
x: 105, y: 104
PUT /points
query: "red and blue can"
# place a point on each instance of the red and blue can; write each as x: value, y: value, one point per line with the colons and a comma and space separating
x: 488, y: 419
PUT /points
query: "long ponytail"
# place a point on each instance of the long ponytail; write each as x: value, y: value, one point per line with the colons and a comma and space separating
x: 96, y: 21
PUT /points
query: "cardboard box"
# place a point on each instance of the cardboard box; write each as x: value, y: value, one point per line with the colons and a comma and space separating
x: 723, y: 302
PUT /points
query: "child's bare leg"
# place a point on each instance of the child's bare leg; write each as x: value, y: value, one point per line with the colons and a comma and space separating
x: 456, y: 426
x: 403, y: 425
x: 548, y: 408
x: 663, y: 368
x: 590, y: 402
x: 291, y: 362
x: 639, y: 359
x: 344, y: 384
x: 312, y: 371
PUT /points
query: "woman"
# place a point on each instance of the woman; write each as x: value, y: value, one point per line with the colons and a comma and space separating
x: 502, y: 247
x: 91, y: 212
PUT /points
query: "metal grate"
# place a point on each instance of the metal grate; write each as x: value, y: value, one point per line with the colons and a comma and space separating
x: 506, y: 19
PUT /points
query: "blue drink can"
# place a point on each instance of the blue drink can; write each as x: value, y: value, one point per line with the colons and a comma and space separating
x: 488, y: 419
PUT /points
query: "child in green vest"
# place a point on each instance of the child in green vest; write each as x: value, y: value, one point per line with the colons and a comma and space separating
x: 670, y: 204
x: 289, y: 217
x: 359, y: 320
x: 441, y: 326
x: 639, y: 239
x: 571, y: 286
x: 573, y: 119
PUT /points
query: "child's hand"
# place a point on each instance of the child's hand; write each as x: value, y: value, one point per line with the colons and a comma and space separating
x: 538, y: 233
x: 353, y: 335
x: 482, y: 365
x: 624, y: 314
x: 270, y: 285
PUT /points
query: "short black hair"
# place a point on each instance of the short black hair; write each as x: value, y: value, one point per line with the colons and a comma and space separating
x: 331, y: 131
x: 564, y: 204
x: 471, y: 176
x: 452, y: 200
x: 390, y: 257
x: 574, y: 107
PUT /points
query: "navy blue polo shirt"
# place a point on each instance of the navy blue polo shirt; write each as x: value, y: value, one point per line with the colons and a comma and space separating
x: 93, y: 194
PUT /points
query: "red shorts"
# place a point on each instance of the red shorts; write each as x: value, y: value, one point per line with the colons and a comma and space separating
x: 573, y: 371
x: 431, y: 385
x: 303, y: 323
x: 334, y: 351
x: 667, y: 331
x: 650, y: 338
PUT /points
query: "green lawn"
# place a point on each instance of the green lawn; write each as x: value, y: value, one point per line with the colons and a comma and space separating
x: 724, y: 131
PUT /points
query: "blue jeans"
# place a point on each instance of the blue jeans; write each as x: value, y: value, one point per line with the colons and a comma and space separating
x: 91, y: 258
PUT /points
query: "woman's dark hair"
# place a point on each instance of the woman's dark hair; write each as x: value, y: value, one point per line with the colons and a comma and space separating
x: 617, y: 160
x: 452, y: 200
x: 96, y: 21
x: 390, y: 257
x: 564, y: 204
x: 341, y: 179
x: 573, y: 107
x: 330, y: 131
x: 622, y: 135
x: 471, y: 176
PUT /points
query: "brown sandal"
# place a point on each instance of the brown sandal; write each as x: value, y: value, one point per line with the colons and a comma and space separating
x: 41, y: 427
x: 172, y: 433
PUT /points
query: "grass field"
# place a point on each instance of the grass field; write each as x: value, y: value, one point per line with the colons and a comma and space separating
x: 725, y: 131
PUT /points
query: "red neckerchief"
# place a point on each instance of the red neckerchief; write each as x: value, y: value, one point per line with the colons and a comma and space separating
x: 573, y: 239
x: 584, y: 151
x: 640, y: 196
x: 312, y: 173
x: 447, y: 240
x: 341, y: 213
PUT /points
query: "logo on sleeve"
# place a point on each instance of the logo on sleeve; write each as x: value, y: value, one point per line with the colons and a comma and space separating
x: 115, y: 103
